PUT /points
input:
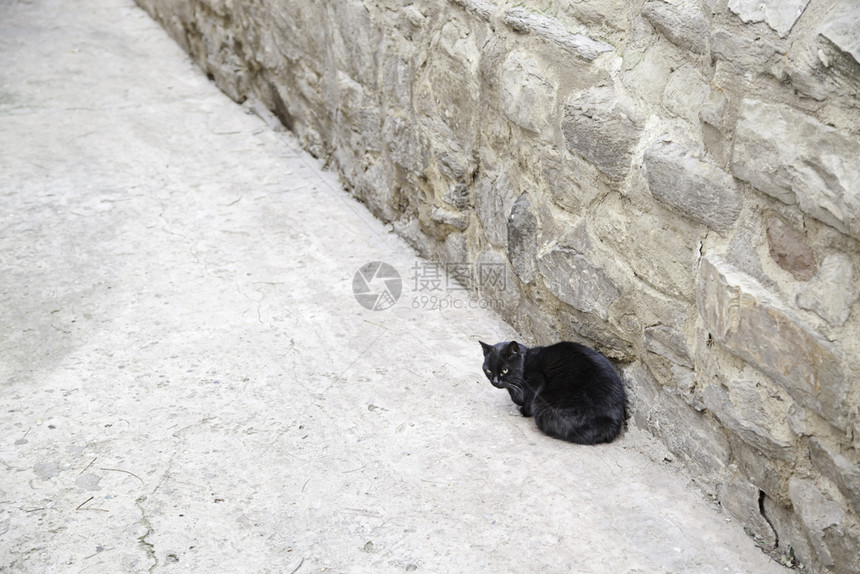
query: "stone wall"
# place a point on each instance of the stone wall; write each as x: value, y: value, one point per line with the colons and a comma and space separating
x: 676, y: 182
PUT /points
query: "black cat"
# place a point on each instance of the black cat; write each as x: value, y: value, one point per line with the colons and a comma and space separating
x: 572, y: 391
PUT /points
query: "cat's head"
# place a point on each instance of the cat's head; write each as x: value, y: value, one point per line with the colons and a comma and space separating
x: 503, y: 363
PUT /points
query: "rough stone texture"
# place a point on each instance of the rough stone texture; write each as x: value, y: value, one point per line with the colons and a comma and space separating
x: 748, y: 55
x: 744, y: 317
x: 522, y: 239
x: 670, y: 343
x: 523, y: 20
x: 528, y: 94
x: 574, y: 279
x: 792, y: 538
x: 674, y: 182
x: 602, y: 129
x: 788, y: 248
x: 685, y: 93
x: 494, y: 199
x: 481, y: 8
x: 842, y: 27
x: 697, y: 440
x: 743, y: 501
x: 821, y: 518
x: 778, y: 14
x: 661, y: 252
x: 839, y: 469
x: 797, y: 159
x: 833, y: 291
x: 740, y: 408
x: 681, y: 24
x: 696, y: 189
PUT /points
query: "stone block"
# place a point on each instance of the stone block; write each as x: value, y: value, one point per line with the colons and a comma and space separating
x: 681, y: 24
x: 828, y: 65
x: 843, y: 543
x: 691, y: 436
x: 765, y: 476
x: 833, y: 291
x: 447, y: 216
x: 685, y: 93
x: 403, y: 142
x: 789, y: 250
x: 752, y: 325
x: 819, y: 515
x: 373, y: 184
x: 796, y: 159
x: 494, y: 198
x: 569, y: 182
x: 398, y: 75
x: 661, y: 252
x: 458, y: 195
x: 742, y: 409
x: 350, y: 99
x: 522, y: 239
x: 602, y: 129
x: 842, y: 27
x: 797, y: 420
x: 752, y: 56
x: 780, y: 15
x: 523, y: 20
x: 528, y: 94
x: 353, y: 41
x: 446, y: 96
x: 604, y: 17
x: 408, y: 20
x: 670, y: 343
x: 575, y: 280
x: 839, y: 469
x: 692, y: 187
x: 742, y: 500
x: 713, y: 110
x: 480, y: 8
x: 646, y: 72
x: 643, y: 394
x: 787, y: 525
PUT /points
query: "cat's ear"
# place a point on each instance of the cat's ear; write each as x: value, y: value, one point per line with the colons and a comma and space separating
x: 512, y: 350
x: 487, y: 348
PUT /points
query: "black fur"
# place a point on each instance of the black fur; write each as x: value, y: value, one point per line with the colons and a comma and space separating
x: 573, y: 392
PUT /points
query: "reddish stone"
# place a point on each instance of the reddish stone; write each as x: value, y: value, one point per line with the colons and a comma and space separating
x: 789, y: 250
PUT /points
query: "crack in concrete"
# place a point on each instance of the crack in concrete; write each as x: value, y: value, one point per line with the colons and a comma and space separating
x: 148, y: 547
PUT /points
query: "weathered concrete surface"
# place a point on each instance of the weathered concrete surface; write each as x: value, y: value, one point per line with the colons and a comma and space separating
x: 188, y: 385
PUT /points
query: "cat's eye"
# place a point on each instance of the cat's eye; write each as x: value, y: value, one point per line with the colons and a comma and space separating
x: 505, y: 371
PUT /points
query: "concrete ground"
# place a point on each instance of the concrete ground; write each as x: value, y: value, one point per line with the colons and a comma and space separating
x: 188, y: 384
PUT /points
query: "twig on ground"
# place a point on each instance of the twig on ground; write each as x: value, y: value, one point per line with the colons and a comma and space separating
x: 299, y: 566
x: 89, y: 465
x: 125, y: 471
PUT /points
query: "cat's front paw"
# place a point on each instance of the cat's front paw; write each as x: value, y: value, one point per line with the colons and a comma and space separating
x: 527, y: 412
